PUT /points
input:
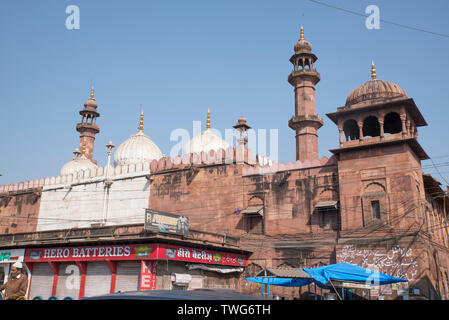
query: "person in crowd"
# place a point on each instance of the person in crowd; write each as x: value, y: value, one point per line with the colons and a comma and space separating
x: 17, y: 284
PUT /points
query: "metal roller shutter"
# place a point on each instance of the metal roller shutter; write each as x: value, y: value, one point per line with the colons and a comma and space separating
x: 41, y: 281
x: 69, y: 279
x: 98, y: 279
x: 127, y: 276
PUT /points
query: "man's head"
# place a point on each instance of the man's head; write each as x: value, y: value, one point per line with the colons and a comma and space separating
x: 16, y: 268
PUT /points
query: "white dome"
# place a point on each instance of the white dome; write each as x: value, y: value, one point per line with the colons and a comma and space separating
x: 138, y: 148
x: 79, y: 162
x: 205, y: 142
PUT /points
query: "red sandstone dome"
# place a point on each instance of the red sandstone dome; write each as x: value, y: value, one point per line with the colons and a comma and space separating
x: 302, y: 45
x: 91, y: 103
x: 375, y: 91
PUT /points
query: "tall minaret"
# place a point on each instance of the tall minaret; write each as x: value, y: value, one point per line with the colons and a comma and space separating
x: 305, y: 122
x: 88, y: 127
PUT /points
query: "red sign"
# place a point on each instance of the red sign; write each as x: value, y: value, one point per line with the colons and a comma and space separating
x: 148, y: 272
x: 134, y: 252
x: 107, y: 252
x: 199, y: 255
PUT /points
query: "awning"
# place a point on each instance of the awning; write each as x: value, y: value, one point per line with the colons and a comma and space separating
x: 285, y: 277
x: 349, y: 272
x: 327, y: 204
x: 253, y: 210
x: 283, y: 282
x: 284, y: 273
x: 219, y: 269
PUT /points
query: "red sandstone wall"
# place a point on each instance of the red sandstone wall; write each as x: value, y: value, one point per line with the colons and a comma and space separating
x: 19, y: 211
x: 290, y: 197
x: 365, y: 174
x: 210, y: 196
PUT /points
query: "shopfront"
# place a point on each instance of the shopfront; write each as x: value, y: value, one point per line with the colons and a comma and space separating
x: 94, y: 270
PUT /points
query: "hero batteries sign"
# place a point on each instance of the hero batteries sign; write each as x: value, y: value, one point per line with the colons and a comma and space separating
x: 134, y: 252
x: 82, y: 253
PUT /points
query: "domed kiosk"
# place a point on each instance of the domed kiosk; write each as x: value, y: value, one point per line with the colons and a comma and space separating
x: 205, y: 142
x: 137, y: 148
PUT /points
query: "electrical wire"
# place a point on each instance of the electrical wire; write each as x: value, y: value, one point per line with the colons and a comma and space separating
x: 383, y: 20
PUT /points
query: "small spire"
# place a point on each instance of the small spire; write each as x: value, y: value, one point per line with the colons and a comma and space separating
x: 301, y: 35
x: 373, y: 71
x: 92, y: 93
x: 208, y: 120
x: 76, y: 153
x: 141, y: 122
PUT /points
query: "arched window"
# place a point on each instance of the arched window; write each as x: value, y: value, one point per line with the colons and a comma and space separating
x: 351, y: 130
x: 392, y: 123
x: 371, y: 127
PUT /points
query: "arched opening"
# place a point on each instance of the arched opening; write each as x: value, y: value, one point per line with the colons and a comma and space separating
x: 371, y: 127
x: 392, y: 123
x: 351, y: 130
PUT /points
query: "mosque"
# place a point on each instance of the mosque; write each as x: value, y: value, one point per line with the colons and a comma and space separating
x: 85, y: 231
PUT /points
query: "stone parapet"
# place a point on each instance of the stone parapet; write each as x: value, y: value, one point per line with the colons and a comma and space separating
x: 278, y: 167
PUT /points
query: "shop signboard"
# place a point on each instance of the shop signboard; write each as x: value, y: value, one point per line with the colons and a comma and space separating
x: 152, y: 251
x: 353, y: 285
x: 11, y: 255
x: 92, y: 253
x: 166, y: 222
x: 148, y: 274
x: 170, y: 252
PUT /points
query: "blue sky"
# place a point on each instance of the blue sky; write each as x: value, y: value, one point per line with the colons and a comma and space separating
x: 176, y: 59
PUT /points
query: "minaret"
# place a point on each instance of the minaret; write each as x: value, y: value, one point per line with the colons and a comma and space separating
x: 88, y: 127
x: 305, y: 122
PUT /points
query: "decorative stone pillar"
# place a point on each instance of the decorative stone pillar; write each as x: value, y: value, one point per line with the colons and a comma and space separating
x: 403, y: 118
x: 340, y: 130
x: 360, y: 124
x: 381, y: 124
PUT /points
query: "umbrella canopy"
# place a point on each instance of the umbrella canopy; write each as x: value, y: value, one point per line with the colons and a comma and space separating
x: 349, y: 272
x: 283, y: 282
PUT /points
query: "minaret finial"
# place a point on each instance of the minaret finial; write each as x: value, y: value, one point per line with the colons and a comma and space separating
x: 208, y: 119
x: 373, y: 71
x: 92, y: 93
x: 141, y: 122
x: 301, y: 35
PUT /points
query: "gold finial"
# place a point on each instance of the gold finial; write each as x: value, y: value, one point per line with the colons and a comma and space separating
x: 92, y: 93
x: 301, y: 36
x: 208, y: 120
x: 373, y: 71
x: 141, y: 123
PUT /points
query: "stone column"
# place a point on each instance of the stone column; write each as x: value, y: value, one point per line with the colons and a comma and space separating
x: 404, y: 129
x: 360, y: 124
x: 381, y: 124
x: 340, y: 130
